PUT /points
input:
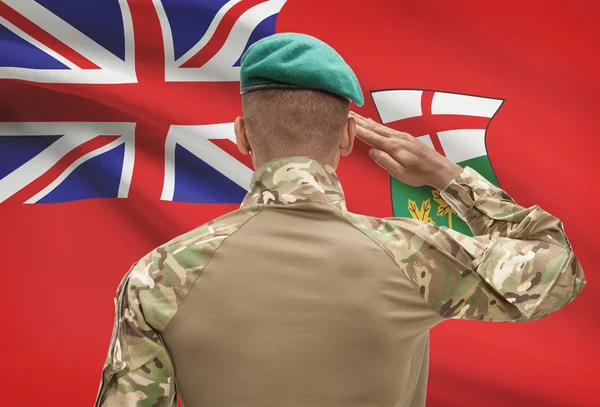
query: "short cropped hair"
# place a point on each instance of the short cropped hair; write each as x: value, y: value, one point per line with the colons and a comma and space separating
x: 284, y: 122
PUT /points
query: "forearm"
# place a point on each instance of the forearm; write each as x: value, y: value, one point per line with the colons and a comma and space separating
x: 529, y: 260
x: 138, y: 370
x: 488, y: 210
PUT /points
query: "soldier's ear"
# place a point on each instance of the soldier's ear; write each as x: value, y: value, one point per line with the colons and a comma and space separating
x: 239, y: 127
x: 348, y: 135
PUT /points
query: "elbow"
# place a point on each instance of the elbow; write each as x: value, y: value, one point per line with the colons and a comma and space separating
x: 569, y: 284
x: 571, y: 281
x: 577, y: 277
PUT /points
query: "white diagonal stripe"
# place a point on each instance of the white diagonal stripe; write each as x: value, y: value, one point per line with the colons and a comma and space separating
x: 220, y: 66
x: 208, y: 34
x: 38, y: 165
x: 36, y: 43
x: 67, y: 34
x: 73, y: 134
x: 195, y: 139
x: 240, y: 34
x: 72, y: 168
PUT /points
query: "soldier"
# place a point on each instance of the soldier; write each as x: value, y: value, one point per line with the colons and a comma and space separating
x: 292, y: 300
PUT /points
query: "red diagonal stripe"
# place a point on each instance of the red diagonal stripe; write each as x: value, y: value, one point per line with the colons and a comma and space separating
x: 220, y: 35
x: 232, y: 149
x: 58, y: 168
x: 45, y: 38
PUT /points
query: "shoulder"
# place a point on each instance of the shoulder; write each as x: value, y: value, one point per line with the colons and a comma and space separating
x: 386, y: 230
x: 414, y: 244
x: 162, y: 278
x: 388, y: 233
x: 402, y: 237
x: 436, y: 260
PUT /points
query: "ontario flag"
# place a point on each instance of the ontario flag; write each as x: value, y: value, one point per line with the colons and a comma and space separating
x: 116, y: 135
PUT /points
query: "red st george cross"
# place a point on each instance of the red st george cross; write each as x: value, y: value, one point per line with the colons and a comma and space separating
x: 432, y: 116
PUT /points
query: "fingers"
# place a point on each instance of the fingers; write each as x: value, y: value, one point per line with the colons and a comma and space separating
x: 387, y: 162
x: 367, y: 124
x: 390, y: 145
x: 380, y: 129
x: 373, y: 139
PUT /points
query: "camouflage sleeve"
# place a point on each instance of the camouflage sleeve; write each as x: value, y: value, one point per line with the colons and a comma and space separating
x: 519, y: 265
x: 488, y: 210
x: 138, y: 370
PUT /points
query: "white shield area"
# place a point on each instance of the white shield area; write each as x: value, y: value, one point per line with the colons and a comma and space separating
x: 73, y: 135
x: 111, y: 68
x: 196, y: 139
x: 459, y: 144
x: 220, y: 66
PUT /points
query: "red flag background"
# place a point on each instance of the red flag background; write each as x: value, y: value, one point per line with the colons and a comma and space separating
x: 62, y: 262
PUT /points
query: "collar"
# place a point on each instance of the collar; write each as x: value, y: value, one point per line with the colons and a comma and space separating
x: 293, y: 179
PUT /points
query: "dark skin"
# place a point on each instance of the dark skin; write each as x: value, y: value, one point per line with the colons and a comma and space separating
x: 400, y: 154
x: 346, y: 142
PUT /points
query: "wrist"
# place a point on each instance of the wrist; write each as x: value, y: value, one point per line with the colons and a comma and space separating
x: 444, y: 176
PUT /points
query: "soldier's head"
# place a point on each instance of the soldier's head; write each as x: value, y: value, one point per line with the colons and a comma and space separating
x: 296, y: 94
x: 286, y: 122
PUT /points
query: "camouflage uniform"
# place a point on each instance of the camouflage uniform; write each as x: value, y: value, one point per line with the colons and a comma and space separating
x: 309, y: 304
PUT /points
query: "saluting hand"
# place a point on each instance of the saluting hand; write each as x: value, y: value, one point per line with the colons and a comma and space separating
x: 403, y: 156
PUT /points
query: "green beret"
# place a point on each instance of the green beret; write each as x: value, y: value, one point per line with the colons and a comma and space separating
x: 293, y: 60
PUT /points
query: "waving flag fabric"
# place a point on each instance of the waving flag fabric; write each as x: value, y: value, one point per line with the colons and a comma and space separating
x: 116, y: 135
x: 452, y: 124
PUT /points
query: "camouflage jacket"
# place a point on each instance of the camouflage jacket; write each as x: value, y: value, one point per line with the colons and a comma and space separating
x: 519, y: 266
